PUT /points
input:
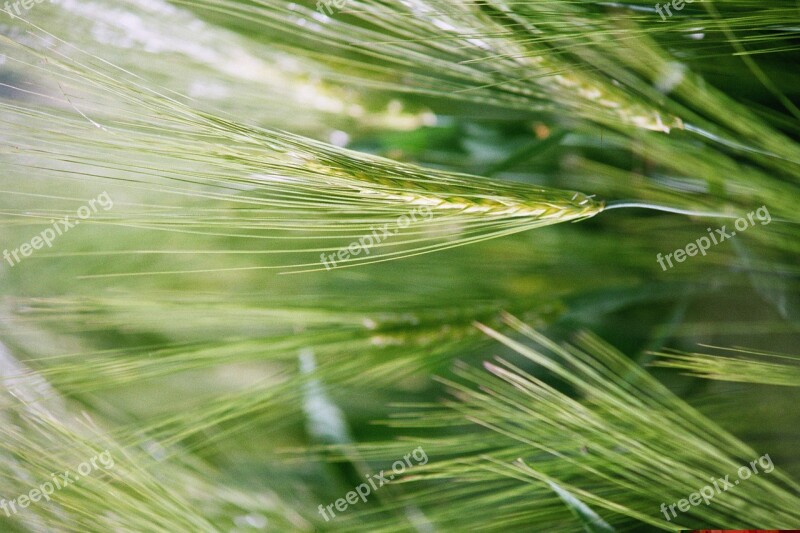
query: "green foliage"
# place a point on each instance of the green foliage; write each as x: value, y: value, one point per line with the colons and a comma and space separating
x: 194, y: 331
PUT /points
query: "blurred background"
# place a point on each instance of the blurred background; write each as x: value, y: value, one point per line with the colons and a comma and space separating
x: 191, y: 330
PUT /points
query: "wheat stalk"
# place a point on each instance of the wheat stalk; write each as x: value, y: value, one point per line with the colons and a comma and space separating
x: 284, y: 182
x: 747, y: 367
